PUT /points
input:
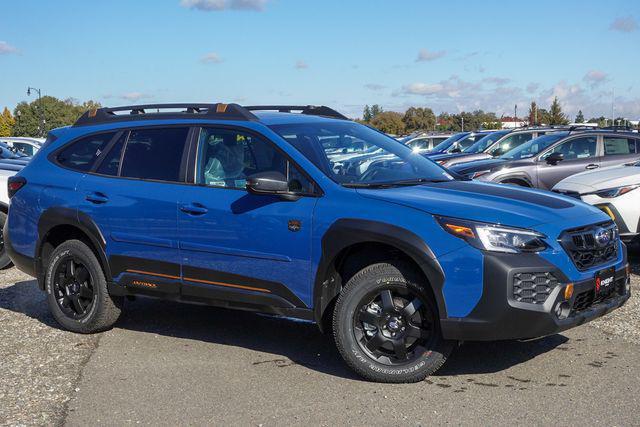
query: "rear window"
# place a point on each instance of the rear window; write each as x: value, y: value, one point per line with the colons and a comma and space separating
x: 154, y: 154
x: 82, y: 154
x: 616, y: 145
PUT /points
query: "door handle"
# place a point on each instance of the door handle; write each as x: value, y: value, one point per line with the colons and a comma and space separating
x: 194, y: 209
x: 592, y: 166
x: 97, y: 198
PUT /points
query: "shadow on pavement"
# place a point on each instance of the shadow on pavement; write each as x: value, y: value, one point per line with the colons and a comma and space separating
x: 300, y: 342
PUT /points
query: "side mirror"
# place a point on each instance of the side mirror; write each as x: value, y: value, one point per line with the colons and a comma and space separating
x: 274, y: 186
x: 554, y: 158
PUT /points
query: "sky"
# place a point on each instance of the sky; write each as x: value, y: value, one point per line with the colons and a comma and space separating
x: 450, y: 55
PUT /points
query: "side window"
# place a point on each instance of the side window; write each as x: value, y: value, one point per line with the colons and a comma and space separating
x: 419, y: 144
x: 226, y: 158
x: 468, y: 142
x: 24, y: 148
x: 616, y: 145
x: 111, y: 162
x: 81, y: 154
x: 154, y: 154
x: 577, y: 148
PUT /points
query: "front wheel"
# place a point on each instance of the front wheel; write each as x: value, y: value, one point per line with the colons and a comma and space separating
x: 386, y: 325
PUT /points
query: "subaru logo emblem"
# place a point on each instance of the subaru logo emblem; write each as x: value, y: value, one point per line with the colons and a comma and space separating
x: 602, y: 236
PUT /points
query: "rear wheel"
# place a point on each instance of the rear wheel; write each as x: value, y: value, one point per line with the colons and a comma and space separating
x: 77, y: 290
x: 386, y: 325
x: 5, y: 261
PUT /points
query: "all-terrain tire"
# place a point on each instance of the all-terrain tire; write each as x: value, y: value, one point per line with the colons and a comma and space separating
x: 5, y: 261
x: 398, y: 277
x: 104, y: 309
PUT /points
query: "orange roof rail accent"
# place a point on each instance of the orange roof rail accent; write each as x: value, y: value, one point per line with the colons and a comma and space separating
x: 221, y: 108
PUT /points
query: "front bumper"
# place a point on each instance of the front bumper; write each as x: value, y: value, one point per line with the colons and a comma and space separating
x: 500, y: 316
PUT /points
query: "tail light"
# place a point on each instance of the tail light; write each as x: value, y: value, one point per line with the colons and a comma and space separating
x: 14, y: 184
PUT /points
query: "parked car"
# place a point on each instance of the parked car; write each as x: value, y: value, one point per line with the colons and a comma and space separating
x: 423, y: 141
x: 479, y: 146
x: 241, y: 207
x: 25, y: 146
x: 508, y: 141
x: 544, y: 161
x: 614, y: 190
x: 458, y: 145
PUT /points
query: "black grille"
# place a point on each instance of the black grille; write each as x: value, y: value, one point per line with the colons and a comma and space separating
x: 591, y: 246
x: 586, y: 299
x: 533, y: 288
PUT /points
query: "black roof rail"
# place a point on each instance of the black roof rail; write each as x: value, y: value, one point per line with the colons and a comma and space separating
x: 618, y: 128
x: 581, y: 127
x: 189, y: 110
x: 312, y: 110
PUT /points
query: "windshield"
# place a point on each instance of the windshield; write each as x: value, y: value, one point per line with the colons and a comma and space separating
x: 533, y: 147
x: 368, y: 158
x: 483, y: 143
x: 447, y: 142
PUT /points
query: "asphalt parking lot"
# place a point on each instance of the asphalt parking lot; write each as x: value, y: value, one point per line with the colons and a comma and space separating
x: 166, y: 363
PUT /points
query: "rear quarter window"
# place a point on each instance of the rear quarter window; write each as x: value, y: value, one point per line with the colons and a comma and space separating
x: 616, y: 145
x: 82, y: 154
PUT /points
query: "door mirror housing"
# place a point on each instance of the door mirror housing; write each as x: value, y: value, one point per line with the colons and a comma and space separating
x: 555, y: 158
x: 270, y: 186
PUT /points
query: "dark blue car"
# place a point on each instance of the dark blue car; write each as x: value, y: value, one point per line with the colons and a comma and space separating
x: 245, y: 208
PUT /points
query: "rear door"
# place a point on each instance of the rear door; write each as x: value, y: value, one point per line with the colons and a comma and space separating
x: 132, y: 194
x: 240, y: 247
x: 579, y: 154
x: 618, y: 149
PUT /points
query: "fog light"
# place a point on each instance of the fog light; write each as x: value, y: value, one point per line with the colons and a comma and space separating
x: 568, y: 291
x: 562, y: 310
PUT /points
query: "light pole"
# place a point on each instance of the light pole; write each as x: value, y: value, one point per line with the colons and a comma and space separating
x: 515, y: 116
x: 42, y: 119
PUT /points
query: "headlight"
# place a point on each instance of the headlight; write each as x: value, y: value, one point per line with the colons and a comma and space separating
x: 610, y: 193
x: 493, y: 237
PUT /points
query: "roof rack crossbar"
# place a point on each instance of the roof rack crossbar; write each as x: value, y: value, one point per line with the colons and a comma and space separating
x: 311, y: 110
x: 153, y: 111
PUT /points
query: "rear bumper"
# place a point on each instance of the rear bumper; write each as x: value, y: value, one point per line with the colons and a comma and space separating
x: 499, y: 316
x: 22, y: 262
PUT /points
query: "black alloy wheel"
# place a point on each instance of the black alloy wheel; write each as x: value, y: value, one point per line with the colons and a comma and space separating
x: 73, y: 288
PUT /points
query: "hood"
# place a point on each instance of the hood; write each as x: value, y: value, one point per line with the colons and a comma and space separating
x: 492, y: 203
x: 477, y: 165
x: 448, y: 156
x: 600, y: 179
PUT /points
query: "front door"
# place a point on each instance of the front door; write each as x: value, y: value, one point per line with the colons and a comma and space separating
x: 239, y: 247
x: 579, y: 155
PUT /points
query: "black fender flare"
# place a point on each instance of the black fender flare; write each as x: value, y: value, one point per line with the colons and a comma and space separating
x: 54, y: 217
x: 4, y: 207
x: 519, y: 176
x: 348, y: 232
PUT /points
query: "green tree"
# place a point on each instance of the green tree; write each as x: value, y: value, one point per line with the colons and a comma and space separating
x: 7, y: 123
x: 579, y: 117
x: 556, y: 116
x: 534, y: 119
x: 366, y: 114
x: 375, y: 110
x: 54, y: 112
x: 418, y: 118
x: 388, y: 122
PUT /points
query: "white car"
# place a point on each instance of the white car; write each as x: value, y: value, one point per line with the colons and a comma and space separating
x: 26, y: 146
x: 615, y: 190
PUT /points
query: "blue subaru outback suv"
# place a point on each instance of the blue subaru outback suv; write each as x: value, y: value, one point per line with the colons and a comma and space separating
x: 253, y: 208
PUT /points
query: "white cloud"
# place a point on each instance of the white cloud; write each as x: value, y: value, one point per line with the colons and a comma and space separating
x: 624, y: 24
x: 533, y: 87
x: 135, y: 96
x: 301, y: 65
x: 219, y: 5
x: 498, y: 81
x: 211, y: 58
x: 595, y: 78
x: 374, y: 86
x: 6, y: 48
x: 427, y: 55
